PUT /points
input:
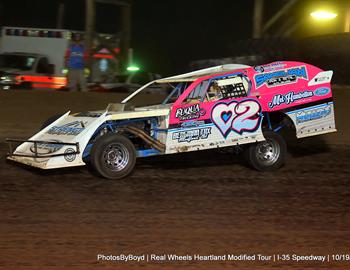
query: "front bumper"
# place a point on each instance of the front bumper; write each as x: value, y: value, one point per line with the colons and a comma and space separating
x: 35, y: 158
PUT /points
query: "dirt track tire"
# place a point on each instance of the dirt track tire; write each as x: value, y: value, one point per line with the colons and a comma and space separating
x: 268, y: 155
x: 113, y: 156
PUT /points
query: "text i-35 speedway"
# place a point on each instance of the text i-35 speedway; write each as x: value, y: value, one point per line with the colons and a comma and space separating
x: 224, y: 106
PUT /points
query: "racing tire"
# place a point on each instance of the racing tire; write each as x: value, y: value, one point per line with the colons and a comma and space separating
x: 113, y: 156
x: 267, y: 155
x: 50, y: 120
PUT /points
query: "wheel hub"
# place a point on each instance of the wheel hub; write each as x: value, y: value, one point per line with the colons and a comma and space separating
x: 116, y: 157
x: 268, y: 151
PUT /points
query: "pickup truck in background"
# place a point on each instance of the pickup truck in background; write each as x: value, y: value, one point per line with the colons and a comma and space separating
x: 33, y: 58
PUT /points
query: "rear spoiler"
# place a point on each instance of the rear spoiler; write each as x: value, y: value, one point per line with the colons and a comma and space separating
x: 321, y: 77
x: 35, y: 151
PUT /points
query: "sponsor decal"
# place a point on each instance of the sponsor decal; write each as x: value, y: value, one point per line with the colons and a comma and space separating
x: 269, y: 67
x: 73, y: 128
x: 289, y: 98
x: 259, y: 69
x: 69, y: 154
x: 45, y: 148
x: 192, y: 124
x: 191, y: 112
x: 322, y: 91
x: 238, y: 117
x: 192, y: 135
x: 322, y: 79
x: 314, y: 114
x: 280, y: 77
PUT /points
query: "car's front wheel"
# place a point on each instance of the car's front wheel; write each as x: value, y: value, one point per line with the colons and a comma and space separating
x: 113, y: 156
x: 267, y: 155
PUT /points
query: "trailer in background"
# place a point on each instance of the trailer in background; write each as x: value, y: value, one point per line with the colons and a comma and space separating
x: 35, y: 58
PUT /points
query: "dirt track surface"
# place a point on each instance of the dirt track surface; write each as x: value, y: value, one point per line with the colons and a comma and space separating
x: 197, y: 203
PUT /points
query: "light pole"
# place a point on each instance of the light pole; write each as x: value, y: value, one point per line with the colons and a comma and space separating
x: 258, y: 18
x: 347, y: 21
x: 89, y: 28
x: 60, y: 15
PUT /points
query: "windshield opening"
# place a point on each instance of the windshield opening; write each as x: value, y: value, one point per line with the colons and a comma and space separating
x: 20, y: 62
x: 159, y: 94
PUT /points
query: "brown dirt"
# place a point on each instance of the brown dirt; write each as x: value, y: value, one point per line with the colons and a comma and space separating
x: 186, y: 204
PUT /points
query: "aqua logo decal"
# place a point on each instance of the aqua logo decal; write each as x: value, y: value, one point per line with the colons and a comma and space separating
x: 280, y: 77
x: 73, y: 128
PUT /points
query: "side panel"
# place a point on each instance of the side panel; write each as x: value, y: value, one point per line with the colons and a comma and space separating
x: 301, y: 91
x: 313, y: 120
x: 214, y: 124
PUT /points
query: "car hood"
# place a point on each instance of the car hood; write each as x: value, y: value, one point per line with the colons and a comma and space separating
x: 71, y: 129
x: 71, y: 132
x: 119, y: 111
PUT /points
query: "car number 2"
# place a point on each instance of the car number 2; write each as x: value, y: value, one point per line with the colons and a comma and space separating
x: 239, y: 117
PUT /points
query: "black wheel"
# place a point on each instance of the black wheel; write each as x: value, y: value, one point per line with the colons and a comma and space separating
x: 267, y: 155
x: 50, y: 120
x: 113, y: 156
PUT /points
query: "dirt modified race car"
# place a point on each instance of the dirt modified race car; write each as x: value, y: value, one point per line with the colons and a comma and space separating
x: 223, y: 106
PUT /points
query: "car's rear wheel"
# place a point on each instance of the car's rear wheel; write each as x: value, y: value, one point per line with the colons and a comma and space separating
x: 113, y: 156
x: 267, y: 155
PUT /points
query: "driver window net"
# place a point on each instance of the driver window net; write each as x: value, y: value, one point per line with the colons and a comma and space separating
x: 232, y: 87
x: 233, y: 91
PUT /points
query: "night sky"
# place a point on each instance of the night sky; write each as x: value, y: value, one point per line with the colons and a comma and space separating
x: 166, y: 35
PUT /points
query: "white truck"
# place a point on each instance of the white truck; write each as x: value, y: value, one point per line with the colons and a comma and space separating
x: 33, y: 58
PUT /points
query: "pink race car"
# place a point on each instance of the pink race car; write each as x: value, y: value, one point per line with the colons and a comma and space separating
x: 223, y: 106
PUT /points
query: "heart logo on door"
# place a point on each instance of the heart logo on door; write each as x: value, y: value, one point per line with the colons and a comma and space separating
x: 239, y: 117
x: 222, y: 115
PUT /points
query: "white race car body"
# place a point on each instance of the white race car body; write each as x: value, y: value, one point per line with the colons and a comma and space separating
x: 63, y: 142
